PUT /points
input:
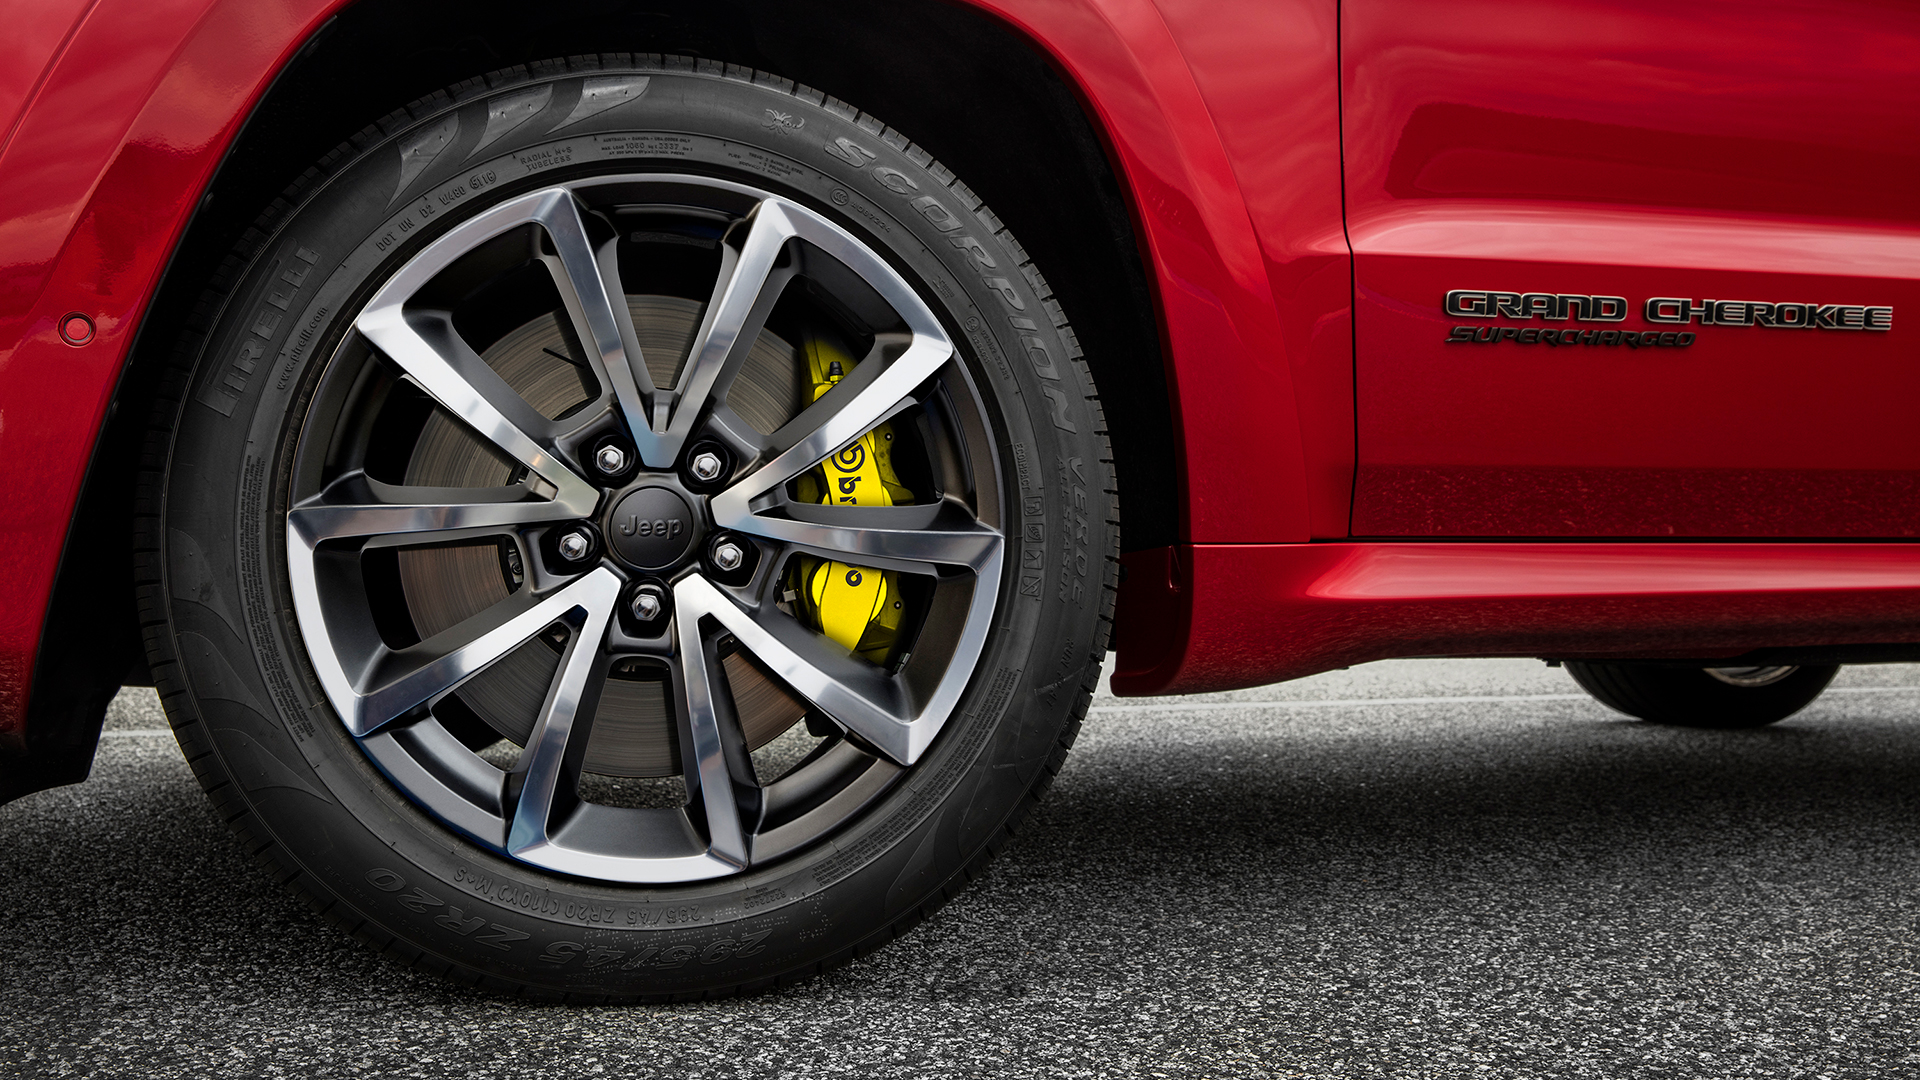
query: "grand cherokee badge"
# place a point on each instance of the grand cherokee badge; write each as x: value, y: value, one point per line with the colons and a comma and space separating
x: 1660, y: 310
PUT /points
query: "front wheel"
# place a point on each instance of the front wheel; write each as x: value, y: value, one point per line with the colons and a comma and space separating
x: 1712, y: 697
x: 635, y: 530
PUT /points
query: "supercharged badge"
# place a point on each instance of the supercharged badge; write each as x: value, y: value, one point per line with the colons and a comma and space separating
x: 1548, y: 335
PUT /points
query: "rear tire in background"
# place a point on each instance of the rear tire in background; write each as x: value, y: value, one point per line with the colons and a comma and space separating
x: 1723, y: 698
x: 569, y: 334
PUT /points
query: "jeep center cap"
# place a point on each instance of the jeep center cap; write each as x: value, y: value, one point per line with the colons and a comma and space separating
x: 651, y: 528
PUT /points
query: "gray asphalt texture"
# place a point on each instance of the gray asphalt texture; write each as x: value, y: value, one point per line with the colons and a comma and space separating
x: 1417, y: 868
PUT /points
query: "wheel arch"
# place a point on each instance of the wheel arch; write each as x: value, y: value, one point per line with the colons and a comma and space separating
x: 1061, y: 193
x: 982, y: 82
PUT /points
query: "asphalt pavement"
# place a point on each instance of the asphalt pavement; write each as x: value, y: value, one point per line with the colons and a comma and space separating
x: 1416, y: 868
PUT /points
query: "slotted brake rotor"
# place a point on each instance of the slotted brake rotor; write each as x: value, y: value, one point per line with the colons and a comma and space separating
x: 634, y: 733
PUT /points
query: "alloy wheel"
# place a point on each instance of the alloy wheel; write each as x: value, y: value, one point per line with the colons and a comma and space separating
x: 624, y: 673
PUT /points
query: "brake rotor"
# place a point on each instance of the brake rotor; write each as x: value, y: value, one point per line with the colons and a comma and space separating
x: 634, y: 732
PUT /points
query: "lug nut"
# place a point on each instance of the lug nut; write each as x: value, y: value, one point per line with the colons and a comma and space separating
x: 569, y: 548
x: 731, y: 559
x: 573, y: 546
x: 706, y: 466
x: 611, y: 459
x: 649, y: 602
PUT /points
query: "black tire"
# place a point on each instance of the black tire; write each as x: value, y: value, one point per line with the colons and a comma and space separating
x: 1692, y: 697
x: 242, y: 692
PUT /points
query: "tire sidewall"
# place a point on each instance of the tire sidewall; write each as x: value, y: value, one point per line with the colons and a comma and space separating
x: 346, y: 830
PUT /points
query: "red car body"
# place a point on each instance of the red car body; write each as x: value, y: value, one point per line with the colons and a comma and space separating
x: 1356, y: 478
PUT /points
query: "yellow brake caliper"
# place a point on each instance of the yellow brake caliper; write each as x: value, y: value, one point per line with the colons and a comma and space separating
x: 856, y: 606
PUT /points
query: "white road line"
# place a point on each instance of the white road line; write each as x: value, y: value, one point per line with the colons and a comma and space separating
x: 1348, y: 703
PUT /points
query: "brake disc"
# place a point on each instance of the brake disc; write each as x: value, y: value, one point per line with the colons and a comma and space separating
x: 634, y: 733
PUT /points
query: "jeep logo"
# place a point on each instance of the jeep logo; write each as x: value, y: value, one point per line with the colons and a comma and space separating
x: 651, y: 528
x: 632, y: 525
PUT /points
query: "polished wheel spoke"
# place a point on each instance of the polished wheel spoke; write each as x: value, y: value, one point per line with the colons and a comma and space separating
x: 546, y: 771
x: 859, y: 696
x: 423, y: 342
x: 918, y: 539
x: 834, y: 422
x: 432, y: 354
x: 589, y: 284
x: 743, y: 294
x: 393, y: 682
x: 707, y: 752
x: 356, y: 505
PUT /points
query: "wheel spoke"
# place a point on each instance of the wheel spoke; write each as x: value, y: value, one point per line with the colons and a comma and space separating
x: 356, y: 505
x: 918, y: 539
x: 708, y: 747
x: 546, y: 772
x: 424, y: 343
x: 834, y: 422
x: 393, y: 682
x: 589, y: 285
x: 428, y: 349
x: 742, y: 295
x: 866, y: 701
